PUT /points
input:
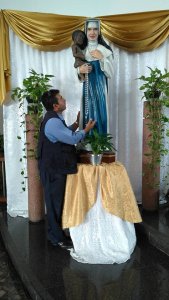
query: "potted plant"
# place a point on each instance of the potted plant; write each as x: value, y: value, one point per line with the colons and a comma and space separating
x: 99, y: 144
x: 33, y: 88
x: 156, y: 96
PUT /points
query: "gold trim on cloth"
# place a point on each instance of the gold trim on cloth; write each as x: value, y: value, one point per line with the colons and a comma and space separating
x: 116, y: 192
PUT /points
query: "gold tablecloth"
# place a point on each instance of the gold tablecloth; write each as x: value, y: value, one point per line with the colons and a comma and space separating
x: 116, y: 193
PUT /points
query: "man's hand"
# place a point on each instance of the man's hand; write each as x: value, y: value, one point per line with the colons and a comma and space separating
x: 89, y: 125
x: 75, y: 125
x: 78, y: 118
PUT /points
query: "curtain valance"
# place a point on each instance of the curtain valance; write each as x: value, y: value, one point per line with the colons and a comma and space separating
x: 135, y: 32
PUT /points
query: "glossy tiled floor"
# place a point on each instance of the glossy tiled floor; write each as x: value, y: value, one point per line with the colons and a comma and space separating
x: 50, y: 273
x: 11, y: 287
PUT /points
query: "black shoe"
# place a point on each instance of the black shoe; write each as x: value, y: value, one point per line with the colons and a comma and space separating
x: 53, y: 243
x: 66, y: 245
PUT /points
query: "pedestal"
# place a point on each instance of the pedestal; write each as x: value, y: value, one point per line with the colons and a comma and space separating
x: 36, y: 207
x: 151, y: 177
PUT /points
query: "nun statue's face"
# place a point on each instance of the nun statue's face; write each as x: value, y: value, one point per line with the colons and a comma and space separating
x: 92, y: 31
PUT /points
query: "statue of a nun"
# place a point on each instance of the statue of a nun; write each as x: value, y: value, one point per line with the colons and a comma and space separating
x: 94, y: 74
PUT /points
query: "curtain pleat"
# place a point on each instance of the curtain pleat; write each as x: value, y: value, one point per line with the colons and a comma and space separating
x: 137, y: 32
x: 47, y: 32
x: 4, y: 58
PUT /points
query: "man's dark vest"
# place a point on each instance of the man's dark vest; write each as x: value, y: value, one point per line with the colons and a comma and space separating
x: 55, y: 157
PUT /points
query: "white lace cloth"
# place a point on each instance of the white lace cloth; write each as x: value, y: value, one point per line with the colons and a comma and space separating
x: 102, y: 238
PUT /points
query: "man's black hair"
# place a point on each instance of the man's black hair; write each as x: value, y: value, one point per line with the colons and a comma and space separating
x: 49, y: 98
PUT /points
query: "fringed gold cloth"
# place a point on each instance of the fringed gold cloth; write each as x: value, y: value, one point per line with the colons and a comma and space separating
x: 116, y: 192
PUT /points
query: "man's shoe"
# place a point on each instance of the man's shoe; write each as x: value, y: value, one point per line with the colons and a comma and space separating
x: 66, y: 245
x: 52, y: 243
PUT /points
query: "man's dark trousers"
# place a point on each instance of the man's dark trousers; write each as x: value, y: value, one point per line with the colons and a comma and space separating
x: 54, y: 190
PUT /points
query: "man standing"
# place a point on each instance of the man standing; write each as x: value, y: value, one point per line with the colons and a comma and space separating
x: 56, y: 159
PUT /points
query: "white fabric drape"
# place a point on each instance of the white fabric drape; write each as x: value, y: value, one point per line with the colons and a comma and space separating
x: 125, y: 107
x: 102, y: 238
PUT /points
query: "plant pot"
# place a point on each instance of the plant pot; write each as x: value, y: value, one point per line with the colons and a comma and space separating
x: 84, y: 157
x: 95, y: 159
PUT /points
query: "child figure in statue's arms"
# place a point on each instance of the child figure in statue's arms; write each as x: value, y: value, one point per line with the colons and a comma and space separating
x: 80, y: 42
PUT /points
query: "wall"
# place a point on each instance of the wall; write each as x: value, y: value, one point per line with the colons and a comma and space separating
x: 87, y: 7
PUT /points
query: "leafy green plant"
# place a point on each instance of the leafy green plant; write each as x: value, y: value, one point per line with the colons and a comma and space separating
x: 33, y: 88
x: 99, y: 143
x: 156, y: 93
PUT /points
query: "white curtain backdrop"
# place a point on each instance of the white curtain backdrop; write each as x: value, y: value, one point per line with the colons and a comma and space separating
x: 125, y: 108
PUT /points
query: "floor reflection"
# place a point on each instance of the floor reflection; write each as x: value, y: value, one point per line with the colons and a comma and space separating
x: 86, y: 281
